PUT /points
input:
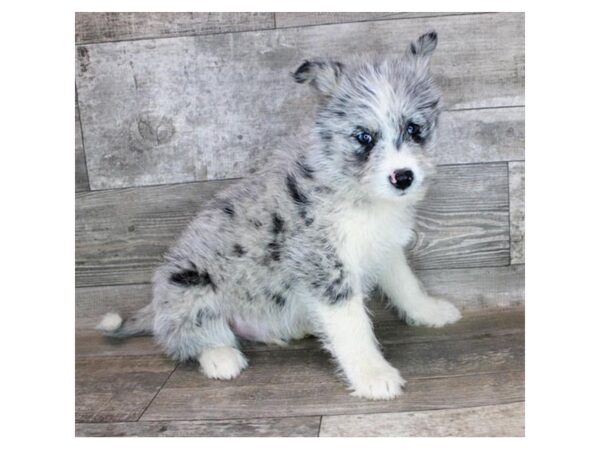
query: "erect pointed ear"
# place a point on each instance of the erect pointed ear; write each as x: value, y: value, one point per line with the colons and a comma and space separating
x: 423, y: 47
x: 323, y: 75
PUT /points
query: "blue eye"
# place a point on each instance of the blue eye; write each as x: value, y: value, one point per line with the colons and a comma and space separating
x: 412, y: 129
x: 364, y: 138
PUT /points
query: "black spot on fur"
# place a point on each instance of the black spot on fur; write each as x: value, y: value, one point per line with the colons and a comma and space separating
x: 192, y: 277
x: 238, y: 250
x: 292, y: 185
x: 302, y: 71
x: 279, y: 300
x: 278, y: 224
x: 274, y: 249
x: 339, y: 113
x: 257, y: 223
x: 277, y: 229
x: 316, y: 283
x: 204, y: 315
x: 228, y: 209
x: 186, y: 278
x: 338, y: 290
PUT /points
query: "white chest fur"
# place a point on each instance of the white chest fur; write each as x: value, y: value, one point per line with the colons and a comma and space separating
x: 369, y: 234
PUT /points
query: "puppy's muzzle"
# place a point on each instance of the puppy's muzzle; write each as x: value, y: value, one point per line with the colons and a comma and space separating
x: 402, y: 178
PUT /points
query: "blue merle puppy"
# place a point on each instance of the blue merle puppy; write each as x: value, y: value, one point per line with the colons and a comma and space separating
x: 296, y: 249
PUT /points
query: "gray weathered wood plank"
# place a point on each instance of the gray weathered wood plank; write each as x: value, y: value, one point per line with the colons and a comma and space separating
x: 118, y: 26
x: 195, y: 108
x: 113, y: 388
x: 441, y: 374
x: 492, y: 421
x: 297, y: 19
x: 81, y: 176
x: 307, y: 426
x: 122, y: 234
x: 517, y: 212
x: 481, y: 135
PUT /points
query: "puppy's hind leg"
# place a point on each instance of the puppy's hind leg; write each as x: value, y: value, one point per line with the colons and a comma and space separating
x: 190, y: 324
x: 220, y: 357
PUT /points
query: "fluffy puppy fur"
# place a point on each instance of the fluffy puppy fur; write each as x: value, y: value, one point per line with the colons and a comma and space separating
x: 297, y: 249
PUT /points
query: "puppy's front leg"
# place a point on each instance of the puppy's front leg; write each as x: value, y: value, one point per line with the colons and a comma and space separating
x: 349, y: 336
x: 406, y: 293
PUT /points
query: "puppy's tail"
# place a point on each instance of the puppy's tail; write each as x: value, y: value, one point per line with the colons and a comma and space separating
x: 138, y: 324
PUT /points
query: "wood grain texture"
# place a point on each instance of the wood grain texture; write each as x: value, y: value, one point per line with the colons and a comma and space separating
x: 297, y: 19
x: 462, y: 221
x: 491, y: 421
x: 272, y: 427
x: 81, y: 176
x: 441, y: 374
x: 481, y: 135
x: 122, y: 234
x: 109, y: 389
x: 118, y: 26
x: 517, y: 212
x: 196, y: 108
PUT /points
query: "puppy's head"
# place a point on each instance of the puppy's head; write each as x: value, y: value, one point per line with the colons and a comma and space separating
x: 377, y: 121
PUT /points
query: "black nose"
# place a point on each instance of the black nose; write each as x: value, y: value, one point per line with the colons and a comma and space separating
x: 402, y: 178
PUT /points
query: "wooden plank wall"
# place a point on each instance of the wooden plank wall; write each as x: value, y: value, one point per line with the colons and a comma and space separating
x: 173, y: 107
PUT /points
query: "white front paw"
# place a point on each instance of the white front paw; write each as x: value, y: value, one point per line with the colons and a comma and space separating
x: 433, y: 312
x: 377, y: 382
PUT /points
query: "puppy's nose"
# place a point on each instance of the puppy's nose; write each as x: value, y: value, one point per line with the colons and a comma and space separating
x: 402, y: 178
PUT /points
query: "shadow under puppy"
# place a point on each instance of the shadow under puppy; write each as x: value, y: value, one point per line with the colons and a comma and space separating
x: 296, y: 249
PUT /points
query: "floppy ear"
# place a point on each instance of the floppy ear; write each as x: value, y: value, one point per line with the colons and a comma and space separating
x: 323, y: 75
x: 423, y: 47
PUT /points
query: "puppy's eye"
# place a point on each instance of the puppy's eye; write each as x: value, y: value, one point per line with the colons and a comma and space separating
x: 413, y: 129
x: 364, y: 138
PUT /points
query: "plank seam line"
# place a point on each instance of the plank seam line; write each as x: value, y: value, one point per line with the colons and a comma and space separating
x: 178, y: 36
x: 510, y: 249
x: 212, y: 419
x: 320, y: 423
x: 500, y: 403
x: 80, y: 131
x: 157, y: 392
x: 388, y: 19
x: 512, y: 333
x: 476, y: 108
x: 451, y: 408
x: 507, y: 402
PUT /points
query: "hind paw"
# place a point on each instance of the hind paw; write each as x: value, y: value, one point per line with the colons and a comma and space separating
x: 222, y: 363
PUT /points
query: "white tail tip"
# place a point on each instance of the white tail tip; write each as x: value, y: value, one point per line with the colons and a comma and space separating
x: 110, y: 322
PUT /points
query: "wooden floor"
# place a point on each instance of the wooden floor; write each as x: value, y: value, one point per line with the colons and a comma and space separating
x: 150, y: 87
x: 463, y: 380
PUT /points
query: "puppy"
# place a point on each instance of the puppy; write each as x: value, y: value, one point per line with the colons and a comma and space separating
x: 296, y: 249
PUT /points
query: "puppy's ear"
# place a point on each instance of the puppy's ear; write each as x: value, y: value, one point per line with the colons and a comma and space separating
x: 423, y: 47
x: 323, y: 75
